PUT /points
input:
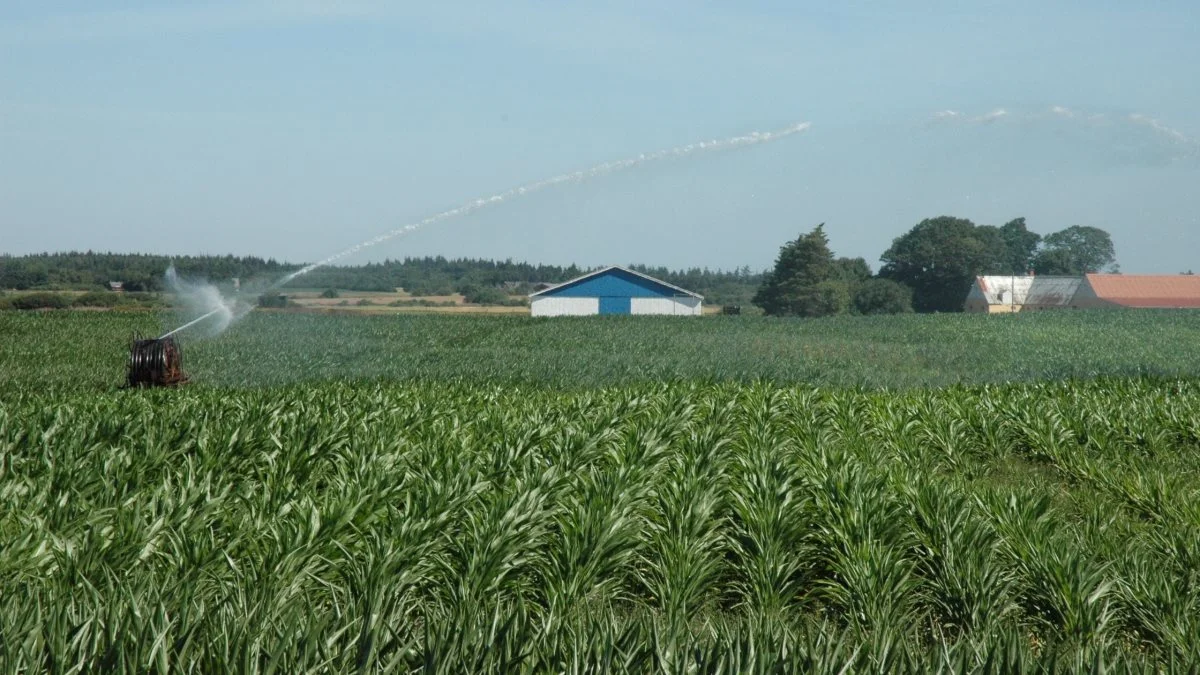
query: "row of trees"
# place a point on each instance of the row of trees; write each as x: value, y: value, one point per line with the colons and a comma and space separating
x: 809, y: 281
x: 488, y: 280
x: 442, y: 276
x: 930, y: 268
x: 91, y: 271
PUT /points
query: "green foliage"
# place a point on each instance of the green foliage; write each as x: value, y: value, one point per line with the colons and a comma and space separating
x: 940, y: 258
x: 827, y: 298
x: 330, y: 293
x: 902, y: 351
x: 140, y: 273
x: 1020, y: 245
x: 851, y: 271
x: 882, y: 296
x: 803, y: 280
x: 38, y: 301
x: 1055, y: 262
x: 422, y: 302
x: 417, y: 276
x: 1079, y: 249
x: 273, y: 300
x: 484, y: 295
x: 117, y: 300
x: 683, y: 527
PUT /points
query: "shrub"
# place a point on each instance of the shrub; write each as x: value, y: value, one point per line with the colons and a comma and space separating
x: 422, y: 302
x: 330, y: 293
x: 827, y: 298
x: 99, y: 299
x: 883, y: 296
x: 273, y: 300
x: 40, y: 301
x: 489, y: 295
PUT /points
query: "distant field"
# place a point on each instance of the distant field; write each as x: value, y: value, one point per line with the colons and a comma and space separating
x: 369, y: 302
x: 74, y: 349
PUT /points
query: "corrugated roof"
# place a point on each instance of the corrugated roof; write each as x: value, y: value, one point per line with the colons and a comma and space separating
x: 596, y: 273
x: 1147, y: 290
x: 1053, y: 291
x: 1025, y: 290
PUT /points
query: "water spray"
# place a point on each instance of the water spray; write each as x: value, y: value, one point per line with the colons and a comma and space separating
x: 753, y: 138
x: 158, y: 362
x: 191, y: 323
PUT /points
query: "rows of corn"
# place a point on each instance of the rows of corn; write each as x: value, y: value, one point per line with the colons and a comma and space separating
x: 74, y: 349
x: 390, y: 527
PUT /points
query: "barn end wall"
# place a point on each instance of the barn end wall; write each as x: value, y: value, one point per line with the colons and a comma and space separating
x: 557, y: 306
x: 677, y: 306
x: 1086, y: 298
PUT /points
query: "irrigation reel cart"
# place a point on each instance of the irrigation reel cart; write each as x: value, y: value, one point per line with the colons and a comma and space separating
x: 156, y: 362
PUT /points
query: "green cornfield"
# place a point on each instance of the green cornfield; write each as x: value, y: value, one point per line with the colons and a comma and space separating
x: 73, y: 350
x: 469, y: 508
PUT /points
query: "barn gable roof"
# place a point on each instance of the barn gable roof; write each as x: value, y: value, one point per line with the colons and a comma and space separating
x: 1025, y: 290
x: 1147, y: 290
x: 638, y: 279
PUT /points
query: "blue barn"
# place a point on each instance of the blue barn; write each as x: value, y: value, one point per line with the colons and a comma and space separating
x: 615, y: 290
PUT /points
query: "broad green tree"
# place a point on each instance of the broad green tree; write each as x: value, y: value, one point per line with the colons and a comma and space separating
x: 940, y: 257
x: 882, y: 296
x: 852, y: 271
x: 1079, y: 249
x: 1021, y: 246
x: 1055, y: 262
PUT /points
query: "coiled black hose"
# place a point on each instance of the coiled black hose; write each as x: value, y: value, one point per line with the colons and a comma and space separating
x: 155, y: 363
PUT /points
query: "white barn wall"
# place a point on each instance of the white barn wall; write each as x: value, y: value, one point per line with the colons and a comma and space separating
x: 554, y: 306
x: 677, y: 306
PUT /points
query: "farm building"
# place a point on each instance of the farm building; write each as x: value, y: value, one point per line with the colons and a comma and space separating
x: 1157, y: 291
x: 614, y: 290
x: 1006, y: 294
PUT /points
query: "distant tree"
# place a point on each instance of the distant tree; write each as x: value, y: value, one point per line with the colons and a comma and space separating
x: 1020, y: 246
x: 939, y: 259
x: 791, y: 288
x: 827, y: 298
x: 40, y: 301
x: 330, y: 293
x: 1083, y: 248
x: 272, y: 299
x: 883, y: 296
x: 1055, y: 262
x: 483, y: 295
x: 852, y: 271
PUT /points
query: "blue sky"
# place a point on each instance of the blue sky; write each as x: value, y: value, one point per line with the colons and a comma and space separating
x: 296, y: 129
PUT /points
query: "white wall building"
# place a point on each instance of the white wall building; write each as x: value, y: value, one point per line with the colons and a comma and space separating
x: 615, y: 290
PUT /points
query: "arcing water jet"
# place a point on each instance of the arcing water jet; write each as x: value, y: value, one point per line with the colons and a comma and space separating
x: 753, y: 138
x: 230, y: 312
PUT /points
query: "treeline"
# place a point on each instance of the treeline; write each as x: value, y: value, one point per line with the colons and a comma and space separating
x: 89, y: 271
x: 431, y: 276
x: 487, y: 280
x: 930, y: 268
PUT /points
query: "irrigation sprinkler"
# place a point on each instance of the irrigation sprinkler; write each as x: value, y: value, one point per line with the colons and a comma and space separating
x: 158, y: 362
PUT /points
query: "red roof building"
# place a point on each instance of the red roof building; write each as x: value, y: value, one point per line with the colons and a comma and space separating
x: 1139, y: 290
